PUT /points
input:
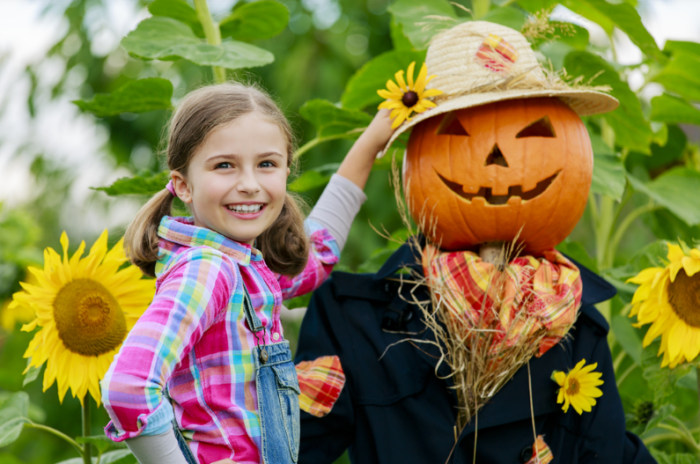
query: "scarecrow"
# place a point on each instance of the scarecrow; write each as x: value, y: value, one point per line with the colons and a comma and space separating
x: 476, y: 341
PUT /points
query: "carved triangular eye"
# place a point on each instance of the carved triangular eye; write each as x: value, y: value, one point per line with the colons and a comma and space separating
x: 496, y: 157
x: 450, y: 125
x: 540, y: 128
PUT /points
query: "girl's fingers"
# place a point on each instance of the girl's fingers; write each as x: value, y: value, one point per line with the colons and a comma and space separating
x: 225, y: 461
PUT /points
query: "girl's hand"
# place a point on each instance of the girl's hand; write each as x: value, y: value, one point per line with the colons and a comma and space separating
x: 379, y: 130
x: 358, y: 163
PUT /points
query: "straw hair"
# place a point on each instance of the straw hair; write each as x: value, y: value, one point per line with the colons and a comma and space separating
x: 466, y: 82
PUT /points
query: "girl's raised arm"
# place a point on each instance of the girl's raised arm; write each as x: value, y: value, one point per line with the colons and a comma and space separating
x: 329, y: 223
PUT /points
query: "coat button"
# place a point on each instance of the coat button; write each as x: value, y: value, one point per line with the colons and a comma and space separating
x: 275, y: 336
x: 526, y: 454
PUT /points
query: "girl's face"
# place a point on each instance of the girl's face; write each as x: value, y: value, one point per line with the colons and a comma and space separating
x: 237, y: 180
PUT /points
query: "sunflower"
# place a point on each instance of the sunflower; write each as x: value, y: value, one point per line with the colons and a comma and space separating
x: 11, y: 313
x: 84, y: 307
x: 668, y: 298
x: 578, y: 388
x: 404, y: 98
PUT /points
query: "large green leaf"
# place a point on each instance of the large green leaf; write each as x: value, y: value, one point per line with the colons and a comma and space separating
x: 621, y: 15
x: 674, y: 46
x: 506, y: 16
x: 662, y: 380
x: 533, y: 6
x: 662, y: 156
x: 313, y: 178
x: 628, y: 337
x: 631, y: 128
x: 141, y: 184
x: 361, y: 90
x: 398, y: 38
x: 608, y: 172
x: 256, y: 20
x: 101, y: 442
x: 138, y: 96
x: 673, y: 110
x: 675, y: 458
x: 180, y: 10
x: 13, y: 416
x: 332, y: 121
x: 421, y: 20
x: 676, y: 190
x: 167, y: 39
x: 681, y: 75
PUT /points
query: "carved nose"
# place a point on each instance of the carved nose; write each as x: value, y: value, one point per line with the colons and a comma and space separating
x: 496, y: 157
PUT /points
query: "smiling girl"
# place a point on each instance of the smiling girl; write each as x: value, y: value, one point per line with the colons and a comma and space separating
x: 211, y: 341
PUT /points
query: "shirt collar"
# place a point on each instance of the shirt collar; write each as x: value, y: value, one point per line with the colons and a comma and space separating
x: 181, y: 230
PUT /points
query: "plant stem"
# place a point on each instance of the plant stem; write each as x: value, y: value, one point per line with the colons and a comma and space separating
x: 480, y: 7
x: 622, y: 228
x: 682, y: 436
x: 58, y: 433
x: 212, y: 33
x: 319, y: 140
x: 604, y: 227
x: 618, y: 359
x: 87, y: 452
x: 625, y: 374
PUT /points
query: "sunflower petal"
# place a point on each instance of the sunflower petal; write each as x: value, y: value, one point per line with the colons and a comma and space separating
x: 399, y: 80
x: 409, y: 74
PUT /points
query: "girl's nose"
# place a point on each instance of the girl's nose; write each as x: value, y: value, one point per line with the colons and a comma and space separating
x: 248, y: 184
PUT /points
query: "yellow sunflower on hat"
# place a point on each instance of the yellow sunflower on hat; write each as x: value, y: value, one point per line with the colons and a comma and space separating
x: 404, y: 98
x: 668, y: 298
x: 84, y: 307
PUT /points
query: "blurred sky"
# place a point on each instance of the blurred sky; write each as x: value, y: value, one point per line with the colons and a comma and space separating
x: 62, y: 133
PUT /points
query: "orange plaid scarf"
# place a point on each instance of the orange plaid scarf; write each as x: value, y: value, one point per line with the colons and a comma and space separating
x: 528, y: 296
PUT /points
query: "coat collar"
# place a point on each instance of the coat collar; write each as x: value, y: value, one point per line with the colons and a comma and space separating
x: 595, y: 288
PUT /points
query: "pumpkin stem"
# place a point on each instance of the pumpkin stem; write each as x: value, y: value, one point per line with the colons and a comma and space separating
x: 494, y: 253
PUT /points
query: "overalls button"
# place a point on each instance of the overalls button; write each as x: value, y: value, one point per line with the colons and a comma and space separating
x: 275, y: 336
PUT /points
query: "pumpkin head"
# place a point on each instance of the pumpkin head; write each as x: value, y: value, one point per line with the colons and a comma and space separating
x: 490, y: 172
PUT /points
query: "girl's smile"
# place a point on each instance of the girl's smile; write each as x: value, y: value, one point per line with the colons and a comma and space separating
x: 237, y: 180
x: 246, y: 210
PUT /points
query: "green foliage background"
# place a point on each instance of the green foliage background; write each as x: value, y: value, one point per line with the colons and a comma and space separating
x: 646, y: 179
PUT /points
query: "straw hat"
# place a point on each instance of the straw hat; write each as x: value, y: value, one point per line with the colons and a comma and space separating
x: 478, y: 62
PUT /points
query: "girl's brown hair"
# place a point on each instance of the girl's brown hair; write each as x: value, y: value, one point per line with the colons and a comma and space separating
x: 284, y: 244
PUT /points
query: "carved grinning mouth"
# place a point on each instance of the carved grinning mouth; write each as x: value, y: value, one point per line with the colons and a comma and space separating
x: 515, y: 192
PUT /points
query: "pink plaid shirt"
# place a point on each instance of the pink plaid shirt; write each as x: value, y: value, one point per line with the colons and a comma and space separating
x: 194, y: 339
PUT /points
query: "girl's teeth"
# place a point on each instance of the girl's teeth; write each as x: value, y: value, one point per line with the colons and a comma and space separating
x: 245, y: 208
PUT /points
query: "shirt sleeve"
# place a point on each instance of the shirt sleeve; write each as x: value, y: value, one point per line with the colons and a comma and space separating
x: 336, y: 209
x: 324, y: 254
x: 189, y: 298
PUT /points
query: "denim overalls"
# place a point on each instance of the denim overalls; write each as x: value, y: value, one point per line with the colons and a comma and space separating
x: 278, y: 397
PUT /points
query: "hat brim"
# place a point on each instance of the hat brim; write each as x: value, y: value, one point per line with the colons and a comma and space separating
x: 583, y: 102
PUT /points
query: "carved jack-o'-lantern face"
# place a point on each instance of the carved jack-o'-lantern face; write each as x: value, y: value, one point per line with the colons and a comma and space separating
x: 486, y: 173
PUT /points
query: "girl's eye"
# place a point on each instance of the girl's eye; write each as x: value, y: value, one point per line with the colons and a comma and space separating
x: 267, y: 164
x: 224, y: 165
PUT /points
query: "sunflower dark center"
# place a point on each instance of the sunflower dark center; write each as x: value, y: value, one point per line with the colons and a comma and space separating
x: 684, y: 297
x: 574, y: 387
x: 409, y: 99
x: 88, y: 318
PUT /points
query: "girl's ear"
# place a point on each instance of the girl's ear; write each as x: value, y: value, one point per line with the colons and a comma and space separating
x: 288, y: 171
x: 182, y: 189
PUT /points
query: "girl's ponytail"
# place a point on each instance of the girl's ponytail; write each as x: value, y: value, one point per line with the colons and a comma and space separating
x: 141, y: 238
x: 284, y: 244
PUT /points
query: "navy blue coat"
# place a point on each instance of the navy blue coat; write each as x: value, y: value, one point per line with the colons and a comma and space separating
x: 396, y: 410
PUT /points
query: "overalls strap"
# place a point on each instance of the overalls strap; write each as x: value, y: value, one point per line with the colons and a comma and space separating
x: 253, y: 320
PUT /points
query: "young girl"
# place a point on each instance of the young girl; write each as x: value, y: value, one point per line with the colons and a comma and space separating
x: 211, y: 341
